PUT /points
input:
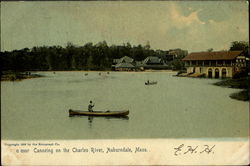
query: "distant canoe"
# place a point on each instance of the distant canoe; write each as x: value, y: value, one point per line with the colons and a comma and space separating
x: 98, y: 113
x: 151, y: 83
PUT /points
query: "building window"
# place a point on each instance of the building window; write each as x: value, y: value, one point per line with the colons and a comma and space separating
x: 210, y: 73
x: 216, y: 73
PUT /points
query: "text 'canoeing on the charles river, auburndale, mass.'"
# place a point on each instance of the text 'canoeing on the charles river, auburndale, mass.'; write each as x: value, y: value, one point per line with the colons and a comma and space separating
x: 111, y: 150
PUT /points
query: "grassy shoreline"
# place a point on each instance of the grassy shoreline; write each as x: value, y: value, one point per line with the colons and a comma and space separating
x: 237, y: 83
x: 17, y: 76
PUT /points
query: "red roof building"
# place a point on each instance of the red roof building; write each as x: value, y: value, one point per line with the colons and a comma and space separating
x: 215, y: 64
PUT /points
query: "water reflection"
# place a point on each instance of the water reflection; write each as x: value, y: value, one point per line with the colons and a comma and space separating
x: 90, y: 118
x: 108, y: 118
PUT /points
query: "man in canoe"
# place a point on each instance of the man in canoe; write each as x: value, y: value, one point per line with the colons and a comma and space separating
x: 90, y: 107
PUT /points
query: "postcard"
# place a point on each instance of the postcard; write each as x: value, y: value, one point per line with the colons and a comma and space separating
x: 124, y: 83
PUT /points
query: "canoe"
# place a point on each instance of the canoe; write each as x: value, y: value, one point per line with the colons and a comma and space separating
x: 98, y: 113
x: 151, y: 83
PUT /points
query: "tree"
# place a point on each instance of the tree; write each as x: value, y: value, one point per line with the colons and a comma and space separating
x: 210, y: 50
x: 239, y: 46
x: 177, y: 64
x: 71, y: 57
x: 89, y: 62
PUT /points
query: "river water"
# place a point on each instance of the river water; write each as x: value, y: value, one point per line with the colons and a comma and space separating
x: 174, y: 108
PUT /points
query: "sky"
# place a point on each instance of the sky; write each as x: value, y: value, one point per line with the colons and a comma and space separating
x: 189, y: 25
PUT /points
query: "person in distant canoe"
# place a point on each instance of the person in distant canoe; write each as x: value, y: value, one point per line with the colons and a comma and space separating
x: 90, y: 107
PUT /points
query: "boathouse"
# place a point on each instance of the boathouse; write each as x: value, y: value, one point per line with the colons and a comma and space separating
x: 124, y: 67
x: 219, y: 64
x: 124, y: 64
x: 153, y: 62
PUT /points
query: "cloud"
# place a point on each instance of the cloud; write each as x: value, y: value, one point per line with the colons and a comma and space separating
x: 186, y: 29
x: 181, y: 21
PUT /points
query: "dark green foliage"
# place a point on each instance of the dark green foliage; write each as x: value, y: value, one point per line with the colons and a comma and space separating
x: 239, y: 46
x: 240, y: 83
x: 241, y: 74
x: 177, y: 64
x: 242, y: 95
x: 88, y: 57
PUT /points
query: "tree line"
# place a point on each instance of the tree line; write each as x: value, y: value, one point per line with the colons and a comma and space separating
x: 88, y: 57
